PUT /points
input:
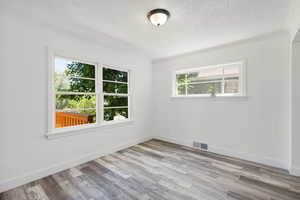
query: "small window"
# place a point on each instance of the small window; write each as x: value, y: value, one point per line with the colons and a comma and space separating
x: 115, y: 95
x: 86, y: 93
x: 221, y: 80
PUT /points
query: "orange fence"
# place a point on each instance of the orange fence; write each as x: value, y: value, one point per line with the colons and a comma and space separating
x: 72, y: 119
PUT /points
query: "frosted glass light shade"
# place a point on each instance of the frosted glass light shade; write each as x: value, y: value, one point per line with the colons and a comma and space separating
x: 158, y: 17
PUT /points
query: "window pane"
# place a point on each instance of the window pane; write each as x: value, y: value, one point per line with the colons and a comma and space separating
x: 66, y: 67
x: 181, y: 90
x: 232, y: 69
x: 206, y: 72
x: 109, y: 87
x: 115, y: 114
x: 75, y: 118
x: 180, y: 78
x: 115, y: 101
x: 114, y: 75
x: 204, y: 80
x: 193, y: 77
x: 203, y: 75
x: 232, y: 85
x: 75, y: 101
x: 70, y: 84
x: 205, y: 88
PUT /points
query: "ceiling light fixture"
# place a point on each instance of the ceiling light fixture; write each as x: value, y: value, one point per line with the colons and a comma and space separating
x: 158, y: 16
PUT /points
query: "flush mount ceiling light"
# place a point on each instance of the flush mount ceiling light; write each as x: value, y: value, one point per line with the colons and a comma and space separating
x: 158, y: 16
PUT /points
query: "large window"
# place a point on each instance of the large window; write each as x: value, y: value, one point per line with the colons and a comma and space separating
x: 219, y: 80
x: 86, y: 94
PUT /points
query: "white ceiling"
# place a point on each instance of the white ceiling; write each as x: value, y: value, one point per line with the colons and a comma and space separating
x: 194, y: 24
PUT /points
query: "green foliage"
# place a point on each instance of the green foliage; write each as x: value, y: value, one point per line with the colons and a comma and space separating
x: 72, y: 81
x: 60, y: 81
x: 212, y: 90
x: 82, y: 85
x: 113, y: 101
x: 183, y: 81
x: 110, y: 113
x: 76, y: 69
x: 86, y: 101
x: 68, y: 82
x: 114, y: 75
x: 115, y: 88
x: 76, y: 102
x: 80, y: 70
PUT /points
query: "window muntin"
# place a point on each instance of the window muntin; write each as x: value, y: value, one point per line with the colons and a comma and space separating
x: 83, y: 93
x: 221, y: 80
x: 115, y: 95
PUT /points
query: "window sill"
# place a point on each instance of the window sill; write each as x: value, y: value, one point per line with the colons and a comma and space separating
x: 69, y: 131
x: 210, y: 97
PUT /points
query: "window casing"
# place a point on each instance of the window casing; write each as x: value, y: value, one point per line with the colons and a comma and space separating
x: 84, y: 94
x: 218, y: 80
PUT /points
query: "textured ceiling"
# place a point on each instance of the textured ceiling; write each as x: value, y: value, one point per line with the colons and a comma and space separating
x: 194, y: 24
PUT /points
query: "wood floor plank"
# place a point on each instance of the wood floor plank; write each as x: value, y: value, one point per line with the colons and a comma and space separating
x: 36, y: 193
x: 17, y: 193
x: 111, y: 190
x: 158, y: 170
x: 71, y: 189
x: 53, y: 190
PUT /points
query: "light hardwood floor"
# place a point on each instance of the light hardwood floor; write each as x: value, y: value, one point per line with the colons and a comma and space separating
x: 160, y: 170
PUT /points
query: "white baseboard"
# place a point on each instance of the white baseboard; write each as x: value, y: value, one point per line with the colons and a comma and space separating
x: 228, y: 152
x: 295, y: 171
x: 17, y: 181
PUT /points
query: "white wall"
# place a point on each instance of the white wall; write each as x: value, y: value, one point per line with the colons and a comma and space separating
x: 256, y: 128
x: 295, y: 148
x: 294, y: 18
x: 294, y: 28
x: 25, y: 153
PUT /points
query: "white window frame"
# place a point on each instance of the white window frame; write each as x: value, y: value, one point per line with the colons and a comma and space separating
x: 241, y: 75
x: 52, y: 131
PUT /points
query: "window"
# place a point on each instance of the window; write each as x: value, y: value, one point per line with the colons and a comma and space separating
x: 220, y: 80
x: 84, y: 94
x: 115, y: 94
x: 75, y: 93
